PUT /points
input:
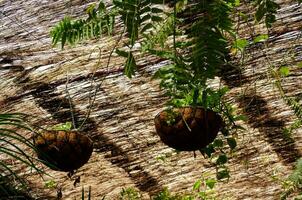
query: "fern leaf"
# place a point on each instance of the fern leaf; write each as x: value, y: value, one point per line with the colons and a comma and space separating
x: 72, y: 31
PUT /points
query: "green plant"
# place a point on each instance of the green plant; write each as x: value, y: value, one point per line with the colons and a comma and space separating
x: 194, y: 37
x: 293, y: 183
x: 129, y: 194
x: 166, y: 195
x: 293, y: 103
x: 50, y: 184
x: 204, y: 188
x: 12, y: 147
x: 267, y: 10
x: 99, y: 21
x: 62, y: 127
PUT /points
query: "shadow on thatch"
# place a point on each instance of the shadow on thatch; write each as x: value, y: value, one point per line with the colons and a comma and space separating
x: 232, y: 76
x: 259, y: 117
x: 59, y: 108
x: 8, y: 190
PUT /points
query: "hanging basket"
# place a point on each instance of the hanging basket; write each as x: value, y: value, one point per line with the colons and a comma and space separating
x: 63, y: 150
x: 187, y: 128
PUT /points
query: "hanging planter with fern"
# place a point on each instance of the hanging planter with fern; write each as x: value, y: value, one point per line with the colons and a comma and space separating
x: 193, y: 37
x: 188, y: 128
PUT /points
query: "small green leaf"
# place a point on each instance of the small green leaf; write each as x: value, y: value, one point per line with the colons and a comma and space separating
x: 284, y: 71
x: 222, y: 159
x: 223, y: 174
x: 63, y: 127
x: 299, y: 64
x: 156, y: 10
x: 209, y: 150
x: 232, y: 143
x: 50, y: 184
x: 197, y: 185
x: 237, y: 3
x: 241, y: 117
x: 225, y: 131
x: 146, y: 27
x: 145, y: 18
x: 156, y: 18
x: 261, y: 38
x: 211, y: 183
x: 260, y: 11
x: 121, y: 53
x: 218, y: 143
x: 241, y: 44
x: 203, y: 195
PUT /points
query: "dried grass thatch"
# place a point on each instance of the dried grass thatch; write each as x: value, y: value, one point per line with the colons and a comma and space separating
x: 33, y: 77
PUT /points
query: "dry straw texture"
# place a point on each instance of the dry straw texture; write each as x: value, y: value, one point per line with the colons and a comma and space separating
x: 33, y: 77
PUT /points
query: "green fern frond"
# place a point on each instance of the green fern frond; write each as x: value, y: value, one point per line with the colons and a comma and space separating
x: 159, y: 36
x: 294, y: 181
x: 138, y: 16
x: 71, y: 31
x: 291, y: 102
x: 297, y: 108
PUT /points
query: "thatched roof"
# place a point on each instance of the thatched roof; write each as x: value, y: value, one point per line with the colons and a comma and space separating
x: 33, y: 79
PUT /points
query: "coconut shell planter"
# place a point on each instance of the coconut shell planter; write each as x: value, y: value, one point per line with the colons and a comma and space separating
x: 187, y: 128
x: 63, y: 150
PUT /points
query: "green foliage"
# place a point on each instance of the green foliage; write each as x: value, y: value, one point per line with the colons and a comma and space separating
x: 203, y: 188
x: 292, y: 102
x: 195, y: 41
x: 138, y: 16
x: 240, y: 44
x: 223, y: 173
x: 129, y: 194
x: 297, y: 108
x: 62, y: 127
x: 130, y: 65
x: 11, y: 142
x: 293, y: 183
x: 8, y: 190
x: 260, y: 38
x: 267, y: 10
x: 232, y: 142
x: 284, y: 71
x: 157, y: 37
x: 166, y: 195
x: 70, y: 31
x: 50, y: 184
x: 297, y: 124
x: 164, y: 157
